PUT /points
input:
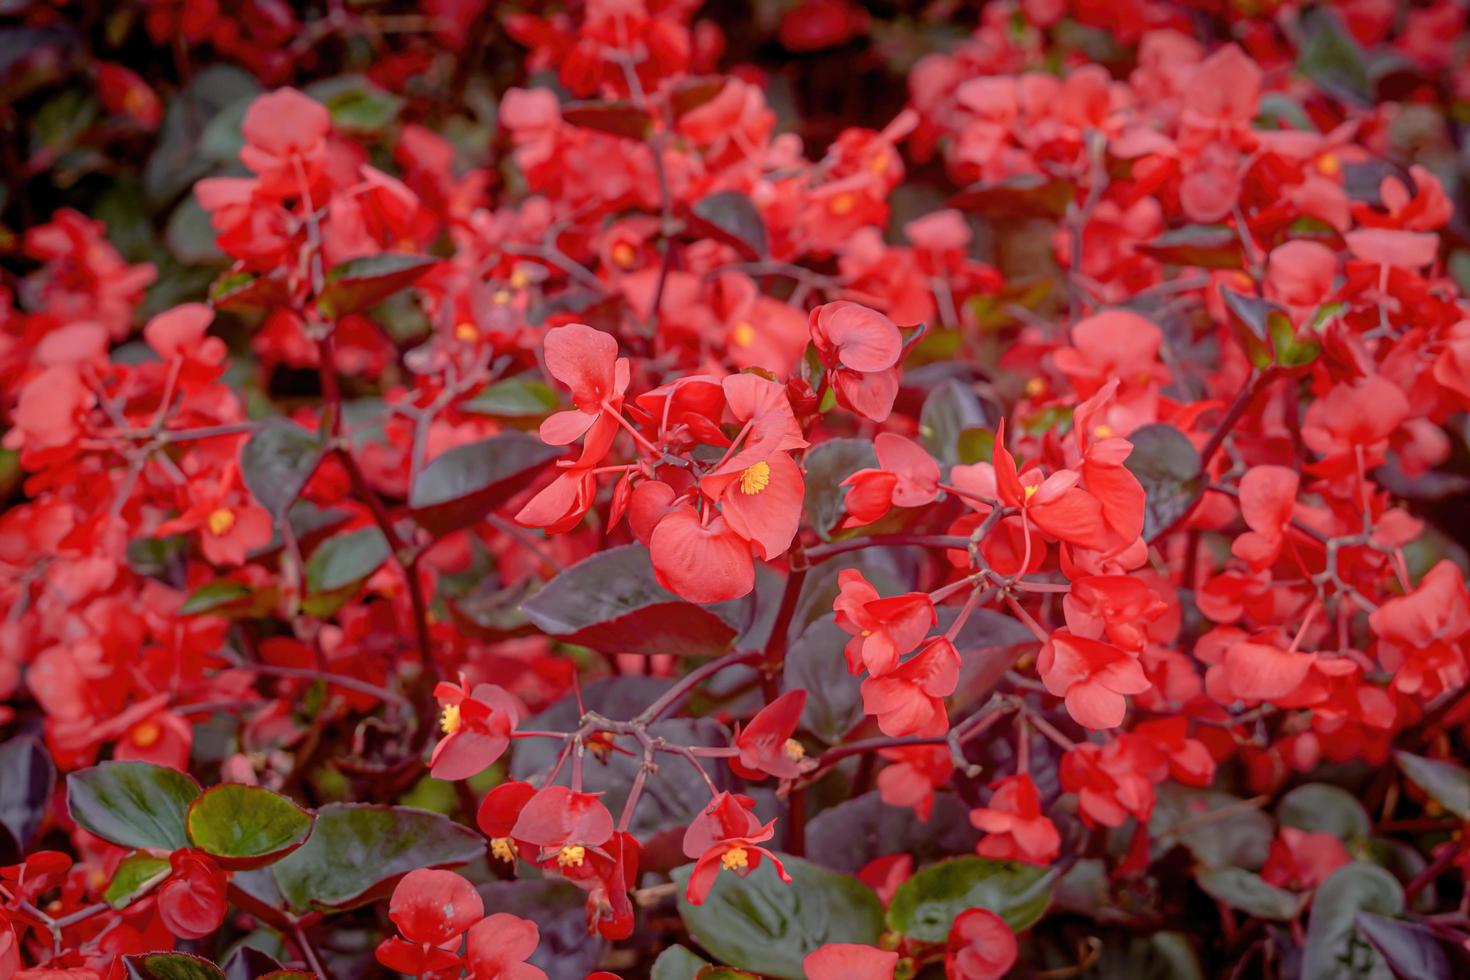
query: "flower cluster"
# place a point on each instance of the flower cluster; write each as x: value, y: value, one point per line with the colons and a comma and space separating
x: 1010, y: 524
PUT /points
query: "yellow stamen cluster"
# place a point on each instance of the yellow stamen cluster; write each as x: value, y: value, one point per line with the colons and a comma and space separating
x: 842, y: 204
x: 624, y: 255
x: 794, y: 750
x: 450, y: 719
x: 147, y: 734
x: 743, y: 335
x: 735, y: 859
x: 571, y: 856
x: 220, y: 521
x: 466, y: 333
x: 500, y: 848
x: 1030, y: 491
x: 755, y: 478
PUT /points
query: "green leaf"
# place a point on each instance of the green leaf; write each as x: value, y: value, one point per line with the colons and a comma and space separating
x: 360, y: 284
x: 763, y: 924
x: 28, y: 776
x: 355, y: 104
x: 356, y: 851
x: 951, y: 410
x: 1335, y: 950
x: 616, y: 118
x: 925, y: 906
x: 1023, y: 195
x: 612, y: 601
x: 246, y: 291
x: 136, y: 875
x: 1205, y: 246
x: 848, y: 835
x: 1329, y: 56
x: 220, y: 594
x: 1409, y: 949
x: 1167, y: 466
x: 827, y: 465
x: 1239, y: 836
x: 171, y: 966
x: 346, y: 559
x: 246, y: 826
x: 133, y: 804
x: 277, y: 462
x: 1321, y: 808
x: 677, y: 963
x: 514, y: 398
x: 461, y: 486
x: 732, y: 218
x: 814, y: 663
x: 1444, y: 782
x: 1251, y: 894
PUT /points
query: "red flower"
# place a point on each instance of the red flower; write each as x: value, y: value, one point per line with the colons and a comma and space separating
x: 432, y: 909
x: 860, y: 348
x: 285, y: 141
x: 1055, y: 504
x: 1016, y: 828
x: 1120, y: 607
x: 914, y: 773
x: 497, y: 816
x: 909, y: 699
x: 726, y: 835
x: 587, y: 362
x: 499, y: 945
x: 1303, y: 859
x: 849, y: 961
x: 883, y: 630
x: 477, y: 724
x: 1420, y: 635
x: 906, y: 476
x: 766, y: 746
x: 1267, y: 500
x: 1112, y: 782
x: 761, y: 502
x: 564, y: 825
x: 703, y: 562
x: 981, y: 946
x: 191, y: 902
x: 1091, y: 676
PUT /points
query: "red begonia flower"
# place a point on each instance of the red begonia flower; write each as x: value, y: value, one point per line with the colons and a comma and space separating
x: 1267, y: 500
x: 497, y: 816
x: 702, y: 562
x: 906, y: 476
x: 849, y: 961
x: 981, y: 946
x: 432, y: 909
x: 498, y: 946
x: 1419, y: 634
x: 861, y: 348
x: 883, y: 630
x: 1016, y: 828
x: 192, y: 901
x: 564, y: 825
x: 912, y: 775
x: 285, y: 141
x: 1091, y: 676
x: 766, y: 746
x: 587, y: 362
x: 1303, y: 859
x: 909, y: 699
x: 477, y: 723
x: 726, y: 836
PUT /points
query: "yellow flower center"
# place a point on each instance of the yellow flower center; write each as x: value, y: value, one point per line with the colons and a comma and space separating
x: 519, y: 279
x: 220, y: 521
x: 735, y: 859
x: 135, y: 101
x: 450, y: 720
x: 1102, y: 431
x: 879, y: 163
x: 571, y: 856
x: 743, y: 335
x: 1030, y: 491
x: 1328, y: 165
x: 624, y: 255
x: 466, y: 333
x: 755, y: 478
x: 147, y: 734
x: 500, y: 848
x: 501, y: 297
x: 794, y: 750
x: 842, y: 204
x: 1035, y: 386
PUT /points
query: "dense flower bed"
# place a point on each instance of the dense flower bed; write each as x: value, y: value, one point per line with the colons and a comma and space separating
x: 820, y: 490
